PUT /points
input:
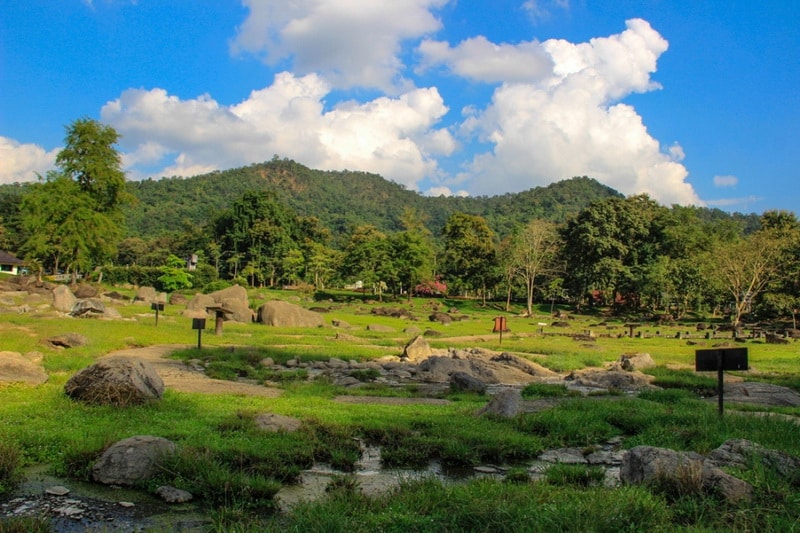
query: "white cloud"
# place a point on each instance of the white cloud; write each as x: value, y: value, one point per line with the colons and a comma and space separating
x: 730, y: 202
x: 352, y: 43
x: 444, y: 191
x: 480, y: 60
x: 568, y: 124
x: 22, y: 162
x: 395, y: 137
x: 725, y: 181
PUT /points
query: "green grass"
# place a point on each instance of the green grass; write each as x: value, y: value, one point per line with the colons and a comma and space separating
x: 235, y: 469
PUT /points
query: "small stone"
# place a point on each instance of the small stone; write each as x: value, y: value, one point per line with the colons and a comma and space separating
x: 126, y: 505
x: 57, y: 490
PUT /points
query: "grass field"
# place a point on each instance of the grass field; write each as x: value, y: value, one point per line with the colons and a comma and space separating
x: 236, y: 469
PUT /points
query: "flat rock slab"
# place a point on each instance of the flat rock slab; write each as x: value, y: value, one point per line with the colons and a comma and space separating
x: 761, y: 394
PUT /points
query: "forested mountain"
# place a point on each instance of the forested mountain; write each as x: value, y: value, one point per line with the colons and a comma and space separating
x: 342, y: 200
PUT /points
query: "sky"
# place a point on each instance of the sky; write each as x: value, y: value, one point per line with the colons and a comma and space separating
x: 691, y: 102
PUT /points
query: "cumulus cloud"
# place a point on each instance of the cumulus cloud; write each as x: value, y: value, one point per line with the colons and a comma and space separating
x: 22, y: 162
x: 571, y: 122
x: 352, y: 43
x: 725, y: 181
x: 480, y: 60
x: 395, y: 137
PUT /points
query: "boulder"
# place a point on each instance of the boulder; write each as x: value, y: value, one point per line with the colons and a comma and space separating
x: 147, y: 295
x: 610, y: 380
x: 631, y: 362
x: 16, y: 368
x: 761, y: 393
x: 198, y: 305
x: 240, y: 310
x: 464, y: 382
x: 90, y: 307
x: 177, y: 298
x: 741, y: 453
x: 132, y: 460
x: 117, y: 381
x: 442, y: 318
x: 417, y: 349
x: 84, y: 290
x: 273, y: 423
x: 67, y: 340
x: 284, y: 314
x: 63, y: 299
x: 506, y: 404
x: 173, y: 495
x: 680, y: 472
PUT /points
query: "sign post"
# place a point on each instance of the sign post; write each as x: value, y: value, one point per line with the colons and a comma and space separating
x: 157, y: 306
x: 500, y: 326
x: 721, y: 359
x: 199, y: 324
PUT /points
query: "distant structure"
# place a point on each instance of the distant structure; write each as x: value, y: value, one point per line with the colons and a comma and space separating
x: 9, y: 264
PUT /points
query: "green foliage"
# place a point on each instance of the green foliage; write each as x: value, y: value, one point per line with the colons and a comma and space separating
x: 574, y: 475
x: 25, y: 524
x: 174, y: 276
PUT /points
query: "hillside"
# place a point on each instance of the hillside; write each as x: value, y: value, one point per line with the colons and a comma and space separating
x: 342, y: 199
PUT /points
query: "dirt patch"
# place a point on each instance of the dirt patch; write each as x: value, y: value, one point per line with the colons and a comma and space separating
x: 180, y: 377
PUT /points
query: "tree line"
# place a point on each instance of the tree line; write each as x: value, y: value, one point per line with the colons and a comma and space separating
x: 631, y: 254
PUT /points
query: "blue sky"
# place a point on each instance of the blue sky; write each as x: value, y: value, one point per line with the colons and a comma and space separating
x: 690, y: 102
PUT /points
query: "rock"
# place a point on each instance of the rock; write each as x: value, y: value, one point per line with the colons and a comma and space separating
x: 15, y: 368
x: 114, y: 295
x: 283, y: 314
x: 235, y: 299
x: 340, y: 324
x: 741, y: 453
x: 412, y: 330
x: 417, y: 349
x: 760, y: 393
x: 442, y: 318
x: 177, y: 298
x: 464, y: 382
x: 273, y: 423
x: 380, y: 328
x: 631, y: 362
x: 506, y: 404
x: 85, y: 290
x: 56, y: 490
x: 198, y: 304
x: 173, y: 495
x: 572, y: 456
x: 146, y: 294
x: 132, y: 460
x: 118, y: 381
x: 682, y: 472
x: 89, y: 307
x: 63, y: 299
x: 67, y: 340
x: 433, y: 333
x: 610, y: 380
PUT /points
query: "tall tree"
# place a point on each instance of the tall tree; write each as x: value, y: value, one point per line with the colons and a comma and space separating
x: 469, y: 252
x: 534, y: 253
x: 90, y: 159
x: 367, y: 258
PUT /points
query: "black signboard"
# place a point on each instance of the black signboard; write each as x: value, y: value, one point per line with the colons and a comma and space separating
x: 729, y: 358
x: 718, y: 360
x: 198, y: 323
x: 157, y: 306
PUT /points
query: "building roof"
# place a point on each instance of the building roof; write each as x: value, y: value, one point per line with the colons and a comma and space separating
x: 7, y: 258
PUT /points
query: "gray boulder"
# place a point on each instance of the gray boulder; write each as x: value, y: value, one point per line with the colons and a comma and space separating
x: 147, y: 295
x: 16, y: 368
x: 761, y: 393
x: 117, y: 381
x: 273, y: 423
x: 132, y: 460
x: 681, y: 473
x: 506, y: 404
x: 90, y: 307
x: 235, y: 299
x: 67, y: 340
x: 84, y: 290
x: 464, y: 382
x: 63, y: 299
x: 610, y: 379
x: 417, y: 349
x: 173, y: 495
x: 283, y: 314
x: 630, y: 362
x: 741, y: 453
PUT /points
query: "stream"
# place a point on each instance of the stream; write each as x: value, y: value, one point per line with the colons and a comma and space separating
x: 74, y: 506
